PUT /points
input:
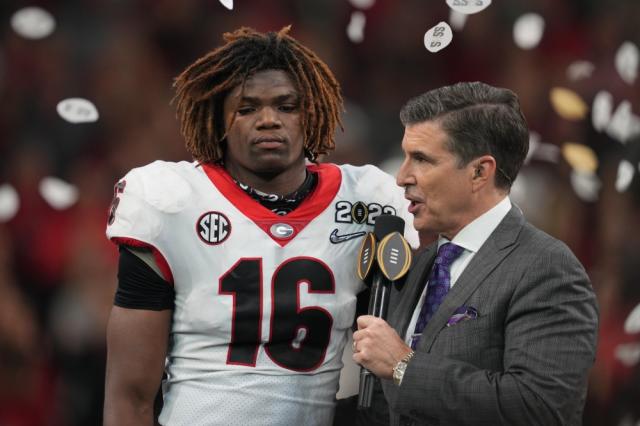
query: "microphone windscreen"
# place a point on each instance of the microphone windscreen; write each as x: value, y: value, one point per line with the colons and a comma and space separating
x: 386, y: 224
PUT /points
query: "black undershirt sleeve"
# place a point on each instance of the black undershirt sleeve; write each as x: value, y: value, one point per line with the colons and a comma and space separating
x: 139, y: 286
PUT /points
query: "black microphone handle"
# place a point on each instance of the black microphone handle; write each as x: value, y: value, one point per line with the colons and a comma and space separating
x: 385, y: 224
x: 378, y: 307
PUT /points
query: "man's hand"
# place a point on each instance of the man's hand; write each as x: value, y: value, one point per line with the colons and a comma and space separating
x: 377, y: 347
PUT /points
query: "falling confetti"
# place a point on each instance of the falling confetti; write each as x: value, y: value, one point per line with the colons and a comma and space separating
x: 586, y: 185
x: 355, y: 29
x: 534, y: 142
x: 9, y: 202
x: 33, y: 23
x: 59, y: 194
x: 77, y: 110
x: 528, y: 30
x: 581, y: 158
x: 627, y: 59
x: 568, y: 104
x: 580, y: 70
x: 625, y: 175
x: 457, y: 20
x: 628, y: 354
x: 624, y: 124
x: 362, y: 4
x: 541, y: 151
x: 468, y: 7
x: 601, y: 110
x: 632, y: 324
x: 227, y: 3
x: 438, y: 37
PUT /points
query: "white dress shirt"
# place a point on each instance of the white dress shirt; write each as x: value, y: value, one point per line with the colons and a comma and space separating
x: 470, y: 238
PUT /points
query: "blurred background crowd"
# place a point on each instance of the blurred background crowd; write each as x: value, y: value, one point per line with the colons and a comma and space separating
x: 58, y: 271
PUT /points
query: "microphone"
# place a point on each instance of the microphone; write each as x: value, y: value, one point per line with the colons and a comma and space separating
x: 385, y: 255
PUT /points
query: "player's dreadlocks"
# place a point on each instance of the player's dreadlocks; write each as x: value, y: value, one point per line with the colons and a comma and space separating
x: 203, y: 86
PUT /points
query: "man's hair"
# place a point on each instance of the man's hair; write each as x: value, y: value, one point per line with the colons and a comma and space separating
x: 478, y: 119
x: 202, y: 88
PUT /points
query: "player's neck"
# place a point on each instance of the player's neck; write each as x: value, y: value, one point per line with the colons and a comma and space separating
x: 280, y: 183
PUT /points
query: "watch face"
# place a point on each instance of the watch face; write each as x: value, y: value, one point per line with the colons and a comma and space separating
x: 398, y: 372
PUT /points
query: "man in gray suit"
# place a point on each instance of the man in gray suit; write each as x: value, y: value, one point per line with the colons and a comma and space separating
x: 496, y: 323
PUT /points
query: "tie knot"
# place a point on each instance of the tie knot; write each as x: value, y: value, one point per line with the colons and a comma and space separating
x: 447, y: 253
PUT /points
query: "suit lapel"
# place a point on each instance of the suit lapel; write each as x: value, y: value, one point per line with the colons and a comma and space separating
x: 410, y: 293
x: 499, y: 244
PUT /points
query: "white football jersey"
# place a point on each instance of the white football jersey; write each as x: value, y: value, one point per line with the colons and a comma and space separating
x: 262, y: 302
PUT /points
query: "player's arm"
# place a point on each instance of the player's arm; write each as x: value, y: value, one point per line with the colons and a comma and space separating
x: 137, y: 336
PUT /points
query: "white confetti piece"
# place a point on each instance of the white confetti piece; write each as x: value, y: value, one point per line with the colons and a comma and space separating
x: 33, y: 23
x: 59, y: 194
x: 457, y: 20
x: 77, y: 110
x: 227, y: 3
x: 438, y: 37
x: 628, y: 354
x: 528, y: 30
x: 601, y: 110
x: 625, y: 175
x: 362, y: 4
x: 627, y: 59
x: 548, y: 152
x: 586, y: 185
x: 468, y: 7
x: 580, y: 70
x: 534, y: 143
x: 355, y: 29
x: 623, y: 124
x: 9, y: 202
x: 543, y: 151
x: 632, y: 324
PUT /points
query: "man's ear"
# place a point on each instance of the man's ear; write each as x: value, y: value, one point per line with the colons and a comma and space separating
x: 484, y: 170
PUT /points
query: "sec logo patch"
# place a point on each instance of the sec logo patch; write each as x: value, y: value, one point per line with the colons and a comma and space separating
x: 213, y: 227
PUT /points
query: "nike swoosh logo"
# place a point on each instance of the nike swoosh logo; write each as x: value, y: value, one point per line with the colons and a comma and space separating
x: 337, y: 239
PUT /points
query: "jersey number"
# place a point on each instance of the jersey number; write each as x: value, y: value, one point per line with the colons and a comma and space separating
x: 299, y: 337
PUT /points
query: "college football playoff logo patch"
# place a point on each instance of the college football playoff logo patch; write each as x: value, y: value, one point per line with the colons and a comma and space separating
x: 213, y: 228
x: 360, y: 212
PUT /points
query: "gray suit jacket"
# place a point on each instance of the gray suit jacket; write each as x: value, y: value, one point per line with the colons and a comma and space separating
x: 524, y: 360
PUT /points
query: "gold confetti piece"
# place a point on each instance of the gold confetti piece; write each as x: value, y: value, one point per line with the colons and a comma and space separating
x: 580, y: 157
x: 568, y: 104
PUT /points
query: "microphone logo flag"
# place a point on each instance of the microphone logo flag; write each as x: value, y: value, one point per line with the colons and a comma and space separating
x: 394, y: 256
x: 366, y: 256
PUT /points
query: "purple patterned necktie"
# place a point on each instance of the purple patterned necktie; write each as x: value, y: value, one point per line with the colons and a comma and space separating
x: 438, y: 287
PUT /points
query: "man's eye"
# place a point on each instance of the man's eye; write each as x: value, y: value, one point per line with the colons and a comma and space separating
x: 245, y: 110
x: 288, y: 108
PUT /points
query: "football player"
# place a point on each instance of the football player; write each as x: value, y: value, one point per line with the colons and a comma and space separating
x: 237, y: 274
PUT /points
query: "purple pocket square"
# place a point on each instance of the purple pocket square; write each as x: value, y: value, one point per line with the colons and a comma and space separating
x: 463, y: 313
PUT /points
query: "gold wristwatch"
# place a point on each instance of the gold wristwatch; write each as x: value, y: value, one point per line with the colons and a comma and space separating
x: 401, y: 366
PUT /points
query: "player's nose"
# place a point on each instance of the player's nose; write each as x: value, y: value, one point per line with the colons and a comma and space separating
x: 268, y: 117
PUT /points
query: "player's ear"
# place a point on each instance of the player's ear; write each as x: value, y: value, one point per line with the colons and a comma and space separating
x: 311, y: 156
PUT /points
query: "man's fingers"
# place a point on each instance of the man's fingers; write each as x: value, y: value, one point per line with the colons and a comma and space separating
x: 363, y: 321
